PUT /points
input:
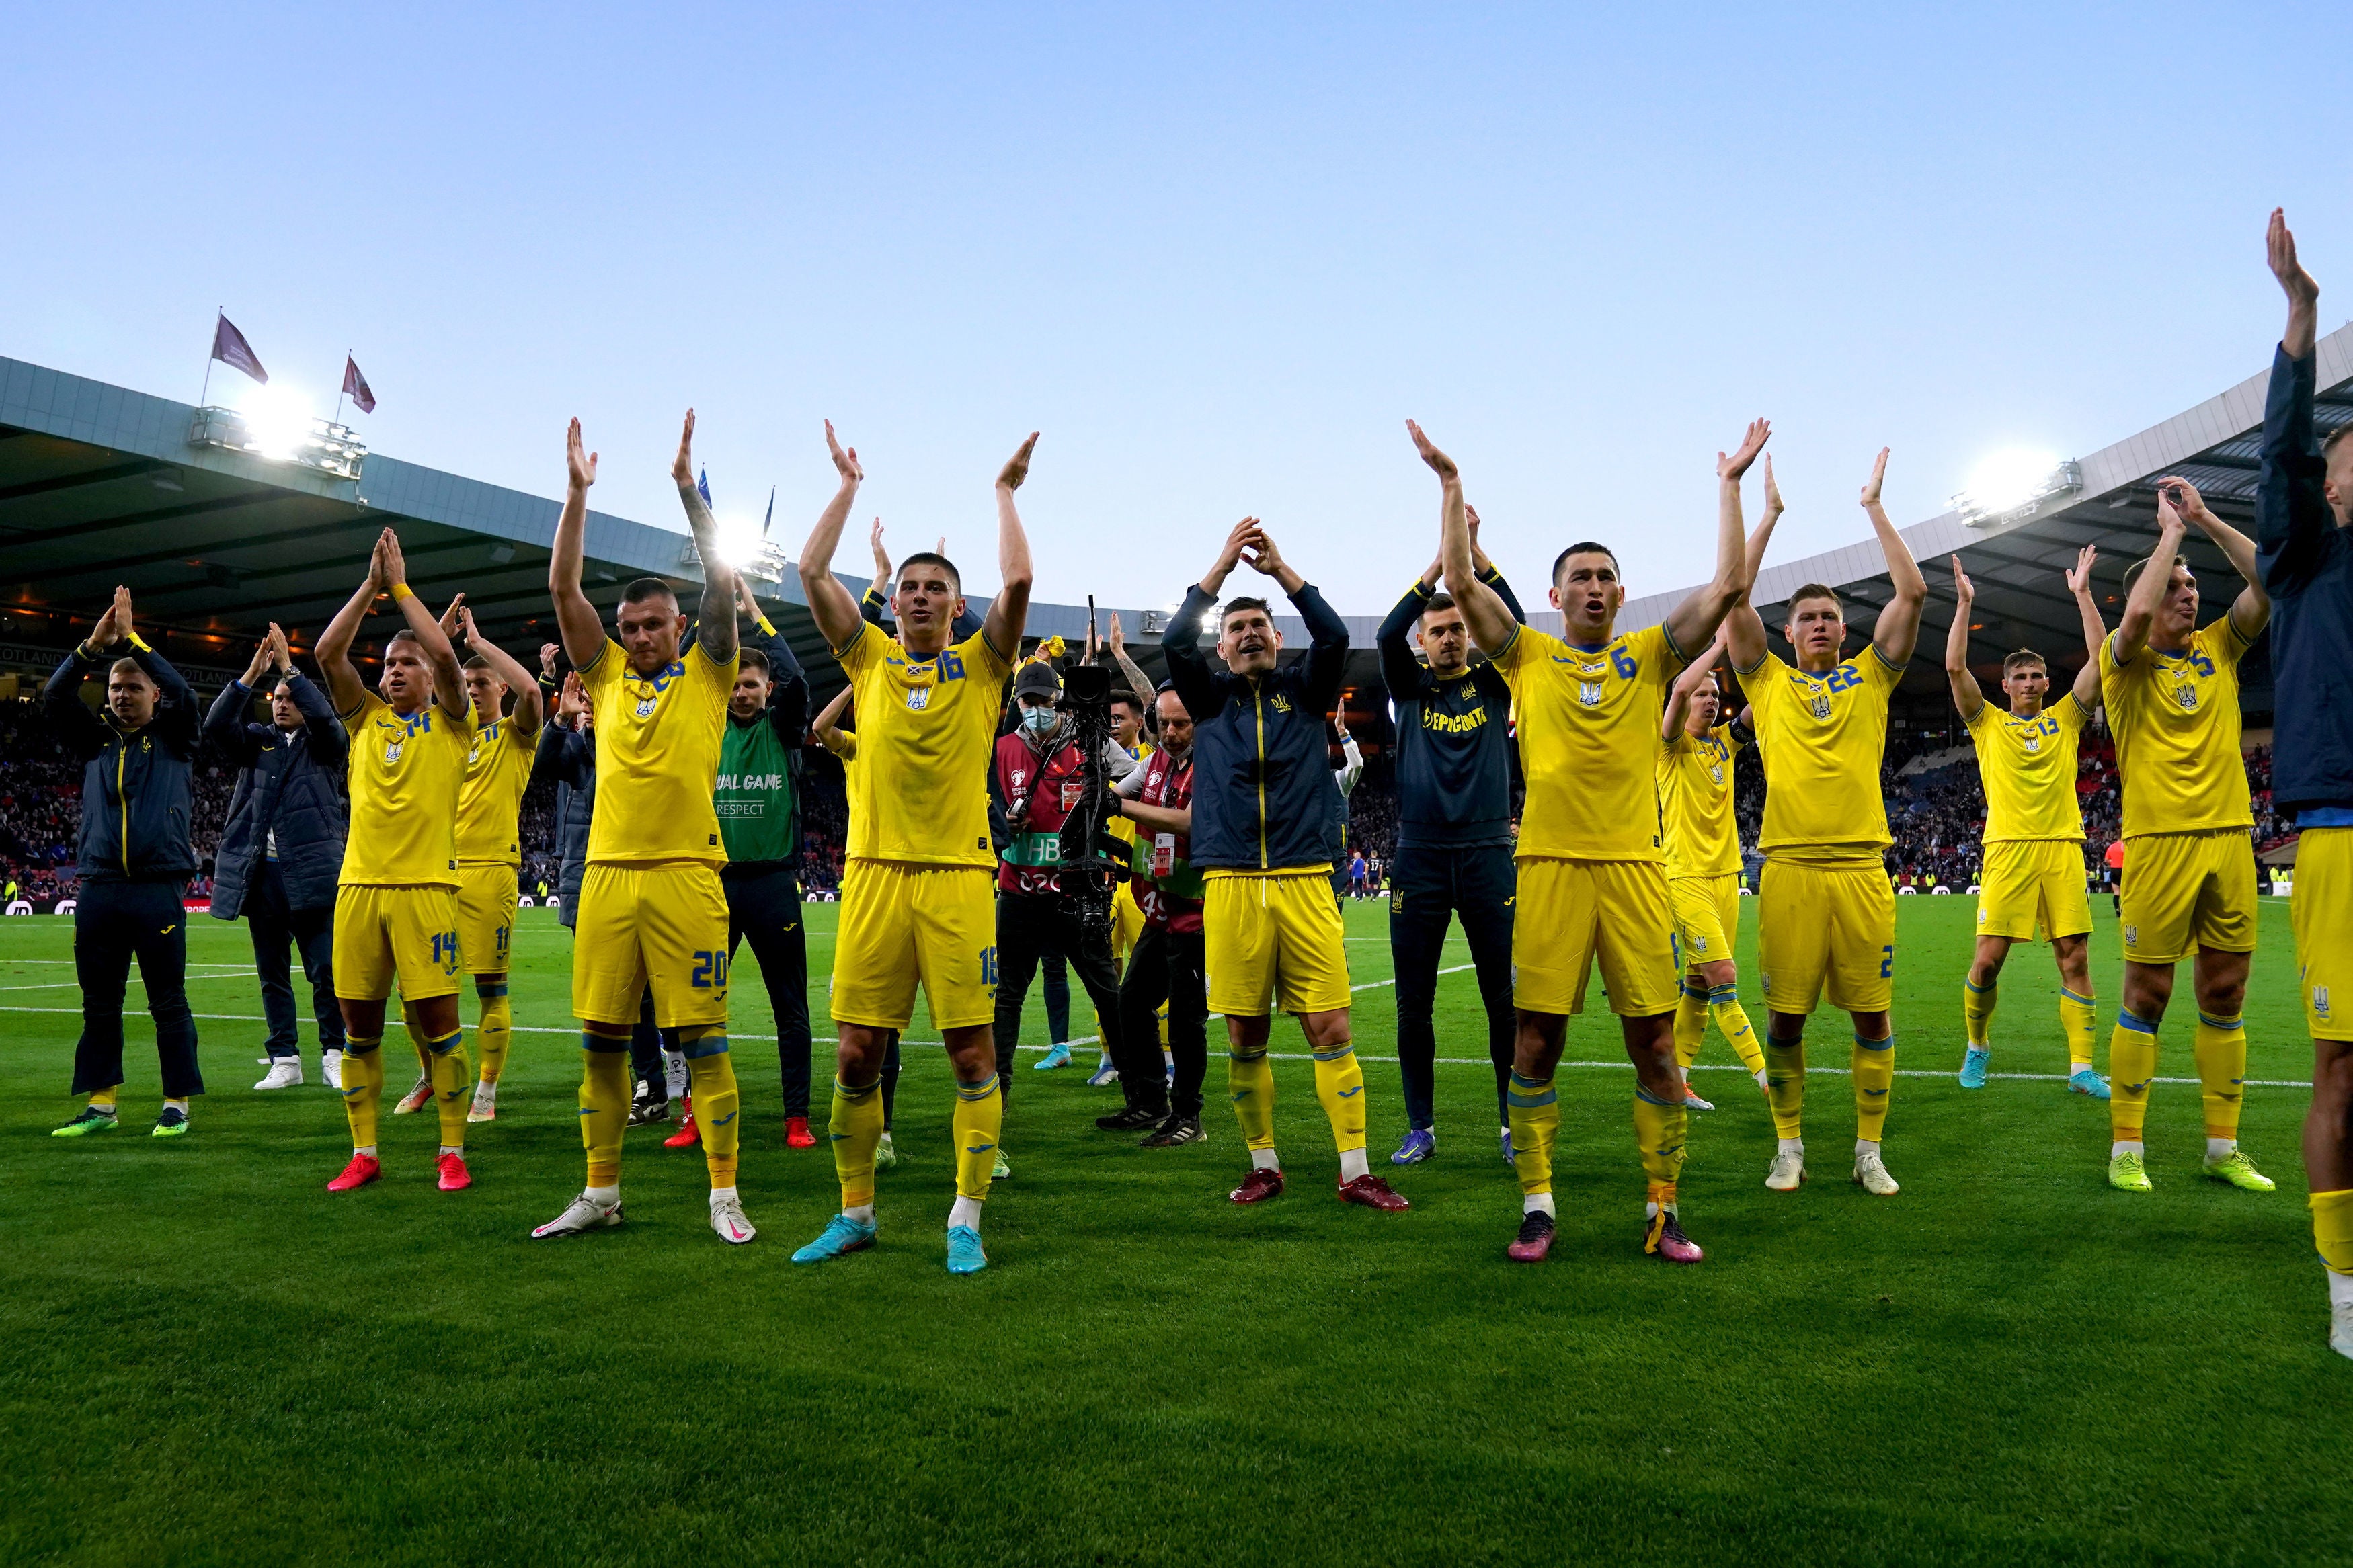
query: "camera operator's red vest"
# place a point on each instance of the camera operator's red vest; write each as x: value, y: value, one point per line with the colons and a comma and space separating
x: 1050, y: 788
x: 1167, y: 888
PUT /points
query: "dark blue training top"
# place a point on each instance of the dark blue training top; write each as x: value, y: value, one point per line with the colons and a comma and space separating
x: 1453, y: 737
x: 2307, y: 566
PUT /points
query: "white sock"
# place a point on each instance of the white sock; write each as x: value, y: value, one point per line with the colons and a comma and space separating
x: 1762, y: 1082
x: 1264, y: 1159
x: 2128, y: 1146
x: 1864, y: 1146
x: 457, y: 1149
x: 182, y: 1106
x: 1793, y: 1146
x: 2216, y: 1147
x: 966, y: 1212
x: 608, y: 1195
x: 2340, y: 1289
x: 1536, y: 1203
x: 862, y: 1212
x: 721, y: 1195
x: 487, y: 1089
x: 369, y: 1150
x: 1353, y: 1164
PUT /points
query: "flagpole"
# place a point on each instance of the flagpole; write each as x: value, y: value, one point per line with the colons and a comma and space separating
x: 219, y: 312
x: 346, y: 382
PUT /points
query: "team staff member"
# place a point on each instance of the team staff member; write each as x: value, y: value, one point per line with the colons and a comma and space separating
x: 2172, y: 695
x: 2303, y: 508
x: 2033, y: 832
x: 396, y: 905
x: 1166, y: 969
x: 1266, y: 830
x: 1592, y: 884
x: 653, y: 910
x: 916, y: 905
x: 282, y: 848
x: 760, y: 822
x: 1453, y: 834
x: 133, y: 860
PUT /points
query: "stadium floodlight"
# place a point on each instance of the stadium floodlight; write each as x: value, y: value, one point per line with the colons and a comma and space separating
x: 2016, y: 482
x: 277, y: 426
x: 742, y: 547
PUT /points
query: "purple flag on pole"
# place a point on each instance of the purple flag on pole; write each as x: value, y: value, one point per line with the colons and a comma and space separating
x: 355, y: 386
x: 230, y: 348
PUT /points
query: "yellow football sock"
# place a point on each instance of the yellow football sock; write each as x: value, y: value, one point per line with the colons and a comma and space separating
x: 1340, y: 1085
x: 104, y: 1098
x: 711, y: 1076
x: 857, y: 1128
x: 1977, y: 1011
x: 979, y: 1122
x: 1691, y: 1024
x: 453, y: 1080
x: 2332, y: 1229
x: 1659, y: 1130
x: 1535, y: 1118
x: 1732, y: 1023
x: 604, y: 1103
x: 1250, y: 1079
x: 2076, y: 1017
x: 2220, y: 1047
x: 1784, y: 1083
x: 497, y: 1029
x: 1874, y: 1077
x: 2132, y: 1063
x: 363, y: 1087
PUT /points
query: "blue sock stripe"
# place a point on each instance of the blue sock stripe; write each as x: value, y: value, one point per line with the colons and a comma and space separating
x: 1887, y: 1044
x: 1652, y: 1098
x: 1519, y: 1101
x: 709, y: 1046
x: 441, y: 1047
x: 1985, y: 990
x: 1698, y: 993
x: 1246, y: 1056
x: 604, y: 1045
x: 489, y: 993
x: 980, y: 1090
x: 2127, y: 1019
x: 2213, y: 1023
x: 1724, y: 993
x: 1346, y: 1048
x: 849, y: 1093
x: 2071, y: 997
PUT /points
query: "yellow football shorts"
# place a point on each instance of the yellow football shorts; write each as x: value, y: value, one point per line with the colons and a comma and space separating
x: 1273, y: 935
x: 2186, y: 891
x: 2034, y: 886
x: 1126, y: 922
x: 902, y: 925
x: 486, y: 909
x: 384, y: 934
x: 663, y: 921
x: 1707, y: 917
x: 1570, y: 913
x: 2322, y: 908
x: 1827, y: 928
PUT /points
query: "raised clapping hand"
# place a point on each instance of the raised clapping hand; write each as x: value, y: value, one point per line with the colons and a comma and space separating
x: 681, y: 467
x: 1118, y: 643
x: 2279, y: 245
x: 1737, y: 465
x: 580, y: 465
x: 450, y: 617
x: 1878, y: 478
x: 1439, y: 461
x: 2078, y: 579
x: 1772, y: 491
x: 1017, y: 466
x: 547, y: 652
x: 844, y: 463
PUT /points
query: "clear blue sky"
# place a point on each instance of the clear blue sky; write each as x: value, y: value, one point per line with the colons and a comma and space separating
x: 1216, y: 255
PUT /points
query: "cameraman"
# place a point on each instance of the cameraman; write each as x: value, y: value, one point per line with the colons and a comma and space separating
x: 1037, y: 780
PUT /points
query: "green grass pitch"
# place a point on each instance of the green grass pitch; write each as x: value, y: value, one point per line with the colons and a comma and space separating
x: 209, y: 1358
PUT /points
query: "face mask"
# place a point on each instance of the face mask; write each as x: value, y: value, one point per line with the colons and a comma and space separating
x: 1038, y: 720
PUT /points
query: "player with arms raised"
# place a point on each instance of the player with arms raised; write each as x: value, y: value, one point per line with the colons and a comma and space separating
x: 2034, y: 837
x: 918, y: 902
x: 1826, y: 909
x: 651, y: 907
x: 1592, y: 878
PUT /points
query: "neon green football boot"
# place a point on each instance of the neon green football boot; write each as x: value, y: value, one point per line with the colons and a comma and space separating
x: 2240, y: 1172
x: 91, y: 1119
x: 2125, y: 1173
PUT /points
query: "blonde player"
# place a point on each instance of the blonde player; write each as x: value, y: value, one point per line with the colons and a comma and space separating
x: 1702, y: 839
x: 2034, y: 874
x: 2172, y: 695
x: 396, y: 904
x: 1592, y: 877
x: 489, y: 843
x: 1826, y: 910
x: 651, y: 909
x: 917, y: 888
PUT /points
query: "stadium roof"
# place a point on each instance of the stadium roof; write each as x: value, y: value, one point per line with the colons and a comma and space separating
x: 2016, y: 561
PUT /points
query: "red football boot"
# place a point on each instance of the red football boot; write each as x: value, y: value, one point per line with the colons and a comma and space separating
x: 1374, y: 1194
x: 1261, y: 1184
x: 685, y: 1137
x: 455, y: 1177
x: 363, y: 1169
x: 797, y: 1133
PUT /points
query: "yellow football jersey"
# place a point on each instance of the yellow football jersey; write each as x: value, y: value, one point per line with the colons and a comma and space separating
x: 2176, y: 720
x: 656, y: 757
x: 2028, y: 768
x: 926, y: 728
x: 404, y: 775
x: 1821, y: 739
x: 1588, y: 731
x: 1703, y: 839
x: 498, y: 770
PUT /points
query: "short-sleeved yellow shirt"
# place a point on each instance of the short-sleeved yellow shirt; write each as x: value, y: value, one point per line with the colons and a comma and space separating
x: 1703, y: 838
x: 2028, y: 769
x: 658, y: 739
x: 919, y: 790
x: 1589, y: 732
x: 497, y: 771
x: 2176, y: 720
x: 1821, y: 739
x: 404, y: 775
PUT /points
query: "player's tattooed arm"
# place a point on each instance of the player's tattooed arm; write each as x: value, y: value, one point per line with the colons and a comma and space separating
x: 716, y: 630
x: 2253, y: 607
x: 333, y: 650
x: 1967, y: 696
x: 449, y: 680
x: 2155, y: 582
x: 2095, y: 630
x: 832, y: 605
x: 1009, y: 611
x: 1744, y: 627
x: 1137, y: 681
x: 1898, y: 631
x: 1691, y: 624
x: 576, y: 621
x: 1483, y: 610
x: 530, y: 709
